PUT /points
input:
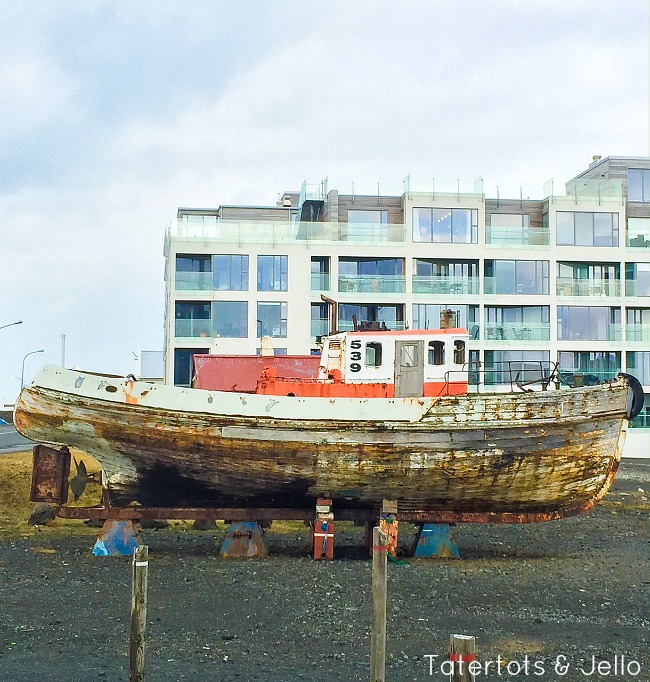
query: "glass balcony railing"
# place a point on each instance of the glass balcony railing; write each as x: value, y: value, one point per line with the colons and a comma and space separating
x: 567, y: 286
x: 449, y: 286
x: 578, y: 376
x: 638, y: 241
x: 348, y: 325
x: 516, y: 236
x: 519, y: 332
x: 192, y: 328
x: 375, y: 284
x: 285, y: 231
x: 640, y: 289
x: 320, y: 327
x: 612, y: 332
x: 637, y: 333
x: 320, y: 281
x: 194, y: 281
x: 506, y: 286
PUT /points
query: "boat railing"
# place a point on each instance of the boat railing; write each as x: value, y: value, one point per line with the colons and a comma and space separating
x: 522, y: 375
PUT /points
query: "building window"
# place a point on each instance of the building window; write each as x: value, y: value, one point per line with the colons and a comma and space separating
x: 377, y: 316
x: 272, y: 273
x: 576, y: 228
x: 638, y: 232
x: 638, y: 364
x: 638, y: 184
x: 230, y: 319
x: 457, y: 225
x: 193, y: 273
x: 427, y: 316
x: 192, y: 319
x: 518, y: 323
x: 516, y: 277
x: 320, y: 273
x: 642, y: 420
x: 373, y: 354
x: 231, y: 273
x: 184, y: 364
x: 637, y: 325
x: 364, y: 217
x: 436, y: 355
x: 377, y: 275
x: 459, y: 352
x: 637, y: 279
x: 271, y: 319
x: 320, y: 322
x: 590, y: 367
x: 509, y: 366
x: 588, y: 323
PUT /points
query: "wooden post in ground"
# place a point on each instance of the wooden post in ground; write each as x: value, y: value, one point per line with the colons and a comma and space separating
x: 462, y: 651
x: 138, y: 612
x: 378, y: 627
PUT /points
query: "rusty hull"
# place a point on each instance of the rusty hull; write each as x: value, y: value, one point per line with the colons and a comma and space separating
x: 488, y: 458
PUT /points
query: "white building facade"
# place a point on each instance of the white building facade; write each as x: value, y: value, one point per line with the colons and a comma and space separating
x: 564, y: 279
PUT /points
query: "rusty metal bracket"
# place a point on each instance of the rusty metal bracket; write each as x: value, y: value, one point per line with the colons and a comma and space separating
x: 50, y: 472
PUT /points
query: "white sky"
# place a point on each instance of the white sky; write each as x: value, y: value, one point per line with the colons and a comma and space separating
x: 113, y: 114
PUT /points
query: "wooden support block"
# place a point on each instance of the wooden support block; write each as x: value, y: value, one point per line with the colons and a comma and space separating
x: 462, y: 651
x: 389, y: 525
x: 435, y: 541
x: 117, y: 538
x: 323, y: 530
x: 244, y: 539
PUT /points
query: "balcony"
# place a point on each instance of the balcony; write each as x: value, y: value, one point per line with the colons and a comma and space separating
x: 192, y: 328
x: 637, y: 288
x: 194, y: 281
x: 505, y: 237
x: 372, y: 284
x: 637, y: 333
x: 320, y: 281
x: 518, y: 332
x: 575, y: 376
x: 567, y: 286
x: 449, y: 286
x: 507, y: 287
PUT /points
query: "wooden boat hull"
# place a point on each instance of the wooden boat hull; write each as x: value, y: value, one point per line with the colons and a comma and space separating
x: 529, y: 456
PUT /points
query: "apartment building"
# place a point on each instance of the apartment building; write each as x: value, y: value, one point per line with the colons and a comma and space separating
x: 560, y: 279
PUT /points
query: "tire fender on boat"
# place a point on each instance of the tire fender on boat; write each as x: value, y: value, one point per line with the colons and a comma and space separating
x: 635, y: 397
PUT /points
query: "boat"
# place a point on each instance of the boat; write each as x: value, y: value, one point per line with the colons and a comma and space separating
x: 396, y: 415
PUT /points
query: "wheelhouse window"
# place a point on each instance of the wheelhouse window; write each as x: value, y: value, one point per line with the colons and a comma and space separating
x: 436, y: 354
x: 373, y: 354
x: 459, y: 352
x: 577, y: 228
x: 230, y: 273
x: 272, y: 273
x: 450, y: 225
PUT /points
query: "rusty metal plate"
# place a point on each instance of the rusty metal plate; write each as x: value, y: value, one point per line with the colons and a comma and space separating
x: 50, y: 471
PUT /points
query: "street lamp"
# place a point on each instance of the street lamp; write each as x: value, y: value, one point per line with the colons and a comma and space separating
x: 11, y: 324
x: 22, y: 373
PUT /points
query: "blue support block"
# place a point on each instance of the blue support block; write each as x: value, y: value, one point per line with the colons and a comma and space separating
x: 118, y: 538
x: 244, y: 539
x: 434, y: 541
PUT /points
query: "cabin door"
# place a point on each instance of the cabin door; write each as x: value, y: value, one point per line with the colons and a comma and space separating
x: 409, y: 369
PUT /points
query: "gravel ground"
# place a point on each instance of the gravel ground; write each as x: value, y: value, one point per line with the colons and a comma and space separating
x: 576, y: 588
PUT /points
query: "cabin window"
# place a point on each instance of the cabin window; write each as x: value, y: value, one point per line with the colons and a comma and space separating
x: 373, y: 355
x: 459, y: 352
x: 436, y: 352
